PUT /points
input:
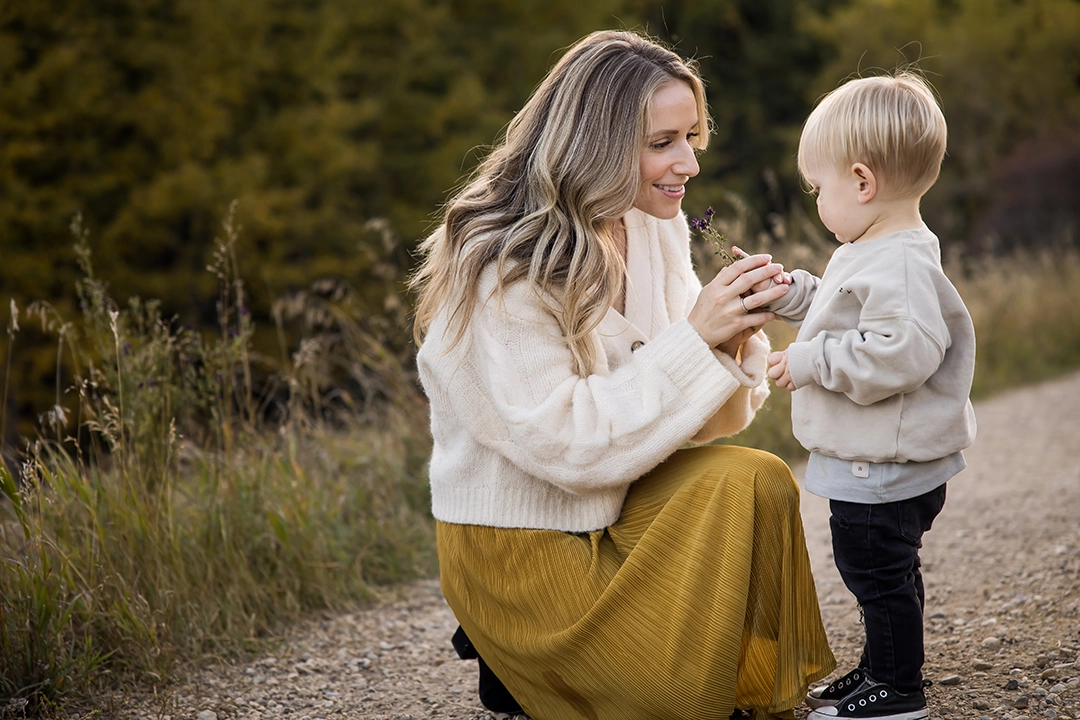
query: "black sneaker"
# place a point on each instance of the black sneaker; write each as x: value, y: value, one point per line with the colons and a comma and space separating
x: 836, y: 691
x: 875, y: 701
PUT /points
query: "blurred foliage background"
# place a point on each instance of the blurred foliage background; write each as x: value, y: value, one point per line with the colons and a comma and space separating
x: 207, y: 214
x: 340, y: 126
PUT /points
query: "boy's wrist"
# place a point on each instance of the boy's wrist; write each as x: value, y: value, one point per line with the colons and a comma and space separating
x: 799, y: 365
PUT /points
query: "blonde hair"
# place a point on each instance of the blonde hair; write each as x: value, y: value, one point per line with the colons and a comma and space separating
x: 542, y: 204
x: 892, y: 124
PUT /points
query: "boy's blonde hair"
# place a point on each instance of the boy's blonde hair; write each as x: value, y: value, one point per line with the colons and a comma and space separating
x: 892, y: 124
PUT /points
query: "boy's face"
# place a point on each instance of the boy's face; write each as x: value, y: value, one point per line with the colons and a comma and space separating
x: 838, y: 204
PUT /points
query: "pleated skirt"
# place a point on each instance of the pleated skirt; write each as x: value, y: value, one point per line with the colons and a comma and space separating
x: 697, y: 601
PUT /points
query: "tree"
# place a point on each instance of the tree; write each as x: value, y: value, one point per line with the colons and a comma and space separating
x: 756, y: 65
x: 1008, y: 74
x: 336, y: 124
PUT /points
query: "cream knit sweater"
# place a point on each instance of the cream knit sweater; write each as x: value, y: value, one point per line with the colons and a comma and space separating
x: 521, y: 441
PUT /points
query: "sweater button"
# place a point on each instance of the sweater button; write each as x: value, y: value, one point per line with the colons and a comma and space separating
x: 637, y: 344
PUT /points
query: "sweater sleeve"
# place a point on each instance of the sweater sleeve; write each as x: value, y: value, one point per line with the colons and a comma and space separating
x: 899, y: 341
x: 737, y: 413
x: 517, y: 391
x: 793, y: 305
x: 750, y: 371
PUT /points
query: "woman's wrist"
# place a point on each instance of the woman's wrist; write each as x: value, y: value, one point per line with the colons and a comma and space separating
x: 730, y: 348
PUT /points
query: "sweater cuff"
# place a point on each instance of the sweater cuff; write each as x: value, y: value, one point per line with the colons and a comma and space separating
x: 688, y: 361
x: 801, y: 364
x: 750, y: 371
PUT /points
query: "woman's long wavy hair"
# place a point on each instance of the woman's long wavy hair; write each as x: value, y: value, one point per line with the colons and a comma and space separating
x: 543, y: 202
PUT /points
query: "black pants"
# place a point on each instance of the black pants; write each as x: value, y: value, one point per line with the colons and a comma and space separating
x: 876, y: 550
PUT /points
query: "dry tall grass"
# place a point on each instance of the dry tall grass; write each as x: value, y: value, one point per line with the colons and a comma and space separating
x: 163, y: 520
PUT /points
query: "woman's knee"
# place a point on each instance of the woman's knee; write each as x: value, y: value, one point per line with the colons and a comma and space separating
x: 774, y: 483
x: 770, y: 476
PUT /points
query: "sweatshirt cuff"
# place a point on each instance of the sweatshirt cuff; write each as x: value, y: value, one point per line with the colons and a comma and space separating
x: 801, y: 364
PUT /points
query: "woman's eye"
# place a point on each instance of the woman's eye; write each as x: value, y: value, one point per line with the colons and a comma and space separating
x: 660, y: 145
x: 692, y: 135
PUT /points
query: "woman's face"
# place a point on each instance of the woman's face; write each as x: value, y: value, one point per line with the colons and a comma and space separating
x: 668, y: 159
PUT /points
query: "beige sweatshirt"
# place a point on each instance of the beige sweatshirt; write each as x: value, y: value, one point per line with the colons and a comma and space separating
x: 885, y: 353
x: 520, y: 440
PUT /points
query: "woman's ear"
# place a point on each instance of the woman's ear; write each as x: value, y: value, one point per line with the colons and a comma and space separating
x: 864, y: 176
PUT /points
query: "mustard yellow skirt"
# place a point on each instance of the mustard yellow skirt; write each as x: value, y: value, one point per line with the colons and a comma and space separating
x: 698, y: 600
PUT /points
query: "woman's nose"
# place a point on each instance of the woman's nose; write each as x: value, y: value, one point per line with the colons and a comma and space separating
x: 687, y: 163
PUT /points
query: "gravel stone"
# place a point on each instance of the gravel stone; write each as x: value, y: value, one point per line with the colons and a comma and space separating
x: 1002, y: 563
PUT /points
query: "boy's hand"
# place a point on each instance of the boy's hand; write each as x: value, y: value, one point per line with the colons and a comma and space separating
x: 778, y: 370
x: 781, y: 278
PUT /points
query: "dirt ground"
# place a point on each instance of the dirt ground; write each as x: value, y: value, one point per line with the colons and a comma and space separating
x: 1001, y: 567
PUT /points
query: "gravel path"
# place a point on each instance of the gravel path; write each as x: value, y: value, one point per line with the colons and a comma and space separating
x: 1002, y: 573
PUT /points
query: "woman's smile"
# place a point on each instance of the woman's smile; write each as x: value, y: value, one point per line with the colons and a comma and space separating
x: 672, y: 191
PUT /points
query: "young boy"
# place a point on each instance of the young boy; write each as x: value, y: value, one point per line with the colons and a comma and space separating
x: 881, y: 372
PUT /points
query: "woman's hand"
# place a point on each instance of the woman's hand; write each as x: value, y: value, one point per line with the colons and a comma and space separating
x: 727, y: 312
x: 781, y: 278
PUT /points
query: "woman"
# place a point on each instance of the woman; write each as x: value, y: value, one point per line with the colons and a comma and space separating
x: 569, y: 352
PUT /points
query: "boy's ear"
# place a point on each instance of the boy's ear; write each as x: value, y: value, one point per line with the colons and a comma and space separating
x: 864, y: 176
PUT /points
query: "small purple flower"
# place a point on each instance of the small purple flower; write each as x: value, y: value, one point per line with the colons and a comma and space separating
x: 711, y: 234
